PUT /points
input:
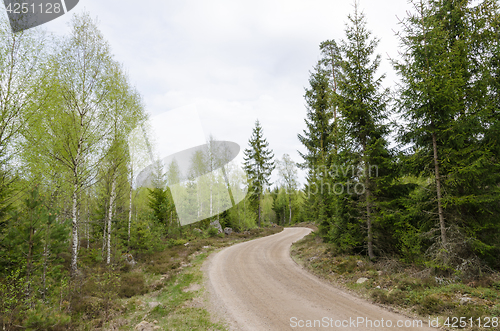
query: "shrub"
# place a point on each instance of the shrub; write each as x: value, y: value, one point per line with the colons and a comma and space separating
x: 212, y: 232
x: 44, y: 318
x: 132, y: 284
x: 176, y: 242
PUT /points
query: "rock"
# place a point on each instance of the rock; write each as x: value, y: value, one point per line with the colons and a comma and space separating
x: 144, y: 326
x: 153, y: 304
x: 155, y: 322
x: 186, y: 244
x: 198, y: 230
x: 361, y: 280
x: 313, y: 258
x: 360, y: 264
x: 129, y: 259
x: 185, y: 265
x: 206, y: 247
x: 216, y: 225
x: 378, y: 287
x: 380, y: 272
x: 228, y: 231
x: 465, y: 300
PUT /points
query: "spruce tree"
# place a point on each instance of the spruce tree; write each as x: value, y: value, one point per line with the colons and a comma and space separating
x: 258, y: 165
x: 317, y: 139
x: 362, y: 102
x: 448, y: 97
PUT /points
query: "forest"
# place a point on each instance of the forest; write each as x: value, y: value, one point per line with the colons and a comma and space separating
x: 410, y: 173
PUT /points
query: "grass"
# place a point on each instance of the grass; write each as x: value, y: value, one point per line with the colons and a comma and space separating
x: 409, y: 289
x: 166, y: 290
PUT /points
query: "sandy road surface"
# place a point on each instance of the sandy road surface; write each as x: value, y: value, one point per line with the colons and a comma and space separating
x: 256, y: 285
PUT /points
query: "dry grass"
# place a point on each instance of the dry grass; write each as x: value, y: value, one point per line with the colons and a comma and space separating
x: 410, y: 289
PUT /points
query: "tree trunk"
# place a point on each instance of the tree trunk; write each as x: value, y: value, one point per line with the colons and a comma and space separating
x: 290, y: 206
x: 129, y: 211
x: 258, y: 220
x: 369, y: 223
x: 368, y: 207
x: 438, y: 190
x: 28, y: 262
x: 110, y: 217
x: 46, y: 255
x: 74, y: 255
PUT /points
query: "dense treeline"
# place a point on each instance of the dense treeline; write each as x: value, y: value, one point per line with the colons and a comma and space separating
x: 67, y: 108
x: 73, y: 139
x: 435, y: 197
x: 72, y: 219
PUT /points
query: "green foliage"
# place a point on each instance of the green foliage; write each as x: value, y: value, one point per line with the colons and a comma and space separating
x: 132, y: 284
x: 146, y: 236
x: 242, y: 216
x: 258, y: 165
x: 212, y: 232
x: 45, y: 318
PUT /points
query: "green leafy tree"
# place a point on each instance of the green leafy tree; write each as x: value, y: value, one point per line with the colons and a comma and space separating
x: 287, y: 172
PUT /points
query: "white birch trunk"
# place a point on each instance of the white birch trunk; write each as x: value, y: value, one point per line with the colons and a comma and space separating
x: 110, y: 217
x: 130, y: 208
x: 74, y: 256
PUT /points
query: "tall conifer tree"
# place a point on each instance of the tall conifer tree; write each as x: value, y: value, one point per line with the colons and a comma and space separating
x: 362, y: 101
x: 259, y: 164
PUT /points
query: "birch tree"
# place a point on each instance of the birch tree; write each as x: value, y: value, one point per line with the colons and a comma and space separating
x: 73, y: 127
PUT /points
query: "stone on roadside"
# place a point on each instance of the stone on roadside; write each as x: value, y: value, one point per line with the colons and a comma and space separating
x: 153, y: 304
x: 144, y: 326
x: 228, y: 231
x: 361, y: 280
x: 216, y: 225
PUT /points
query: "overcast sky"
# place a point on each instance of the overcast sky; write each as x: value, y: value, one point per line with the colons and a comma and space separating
x: 235, y: 61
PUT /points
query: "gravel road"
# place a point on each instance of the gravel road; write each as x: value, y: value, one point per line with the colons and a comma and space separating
x: 256, y: 285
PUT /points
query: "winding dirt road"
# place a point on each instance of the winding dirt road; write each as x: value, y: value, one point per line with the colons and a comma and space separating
x: 256, y: 285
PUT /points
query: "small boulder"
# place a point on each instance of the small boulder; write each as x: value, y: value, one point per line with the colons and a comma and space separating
x: 144, y: 326
x: 228, y: 231
x: 361, y: 280
x: 465, y: 300
x: 360, y: 264
x: 129, y: 259
x: 153, y: 304
x: 216, y: 225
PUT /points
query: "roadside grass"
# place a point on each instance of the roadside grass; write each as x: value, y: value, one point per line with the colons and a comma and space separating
x: 166, y: 289
x: 408, y: 289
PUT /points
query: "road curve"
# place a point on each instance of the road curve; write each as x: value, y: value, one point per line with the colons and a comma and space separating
x: 257, y: 286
